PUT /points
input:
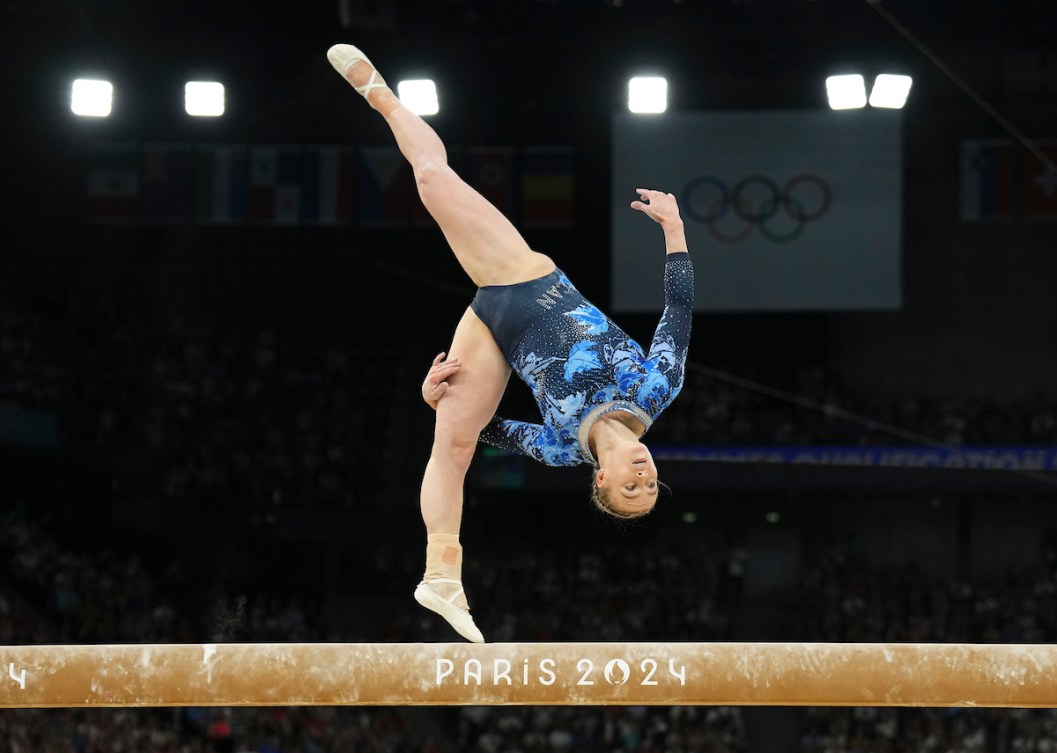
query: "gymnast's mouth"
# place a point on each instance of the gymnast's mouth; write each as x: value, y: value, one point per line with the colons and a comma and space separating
x: 640, y: 461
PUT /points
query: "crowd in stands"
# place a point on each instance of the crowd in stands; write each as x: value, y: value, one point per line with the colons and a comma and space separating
x: 638, y: 591
x: 203, y: 730
x: 58, y: 593
x: 184, y: 413
x: 842, y: 599
x: 712, y: 411
x: 676, y: 729
x: 266, y: 419
x: 928, y: 730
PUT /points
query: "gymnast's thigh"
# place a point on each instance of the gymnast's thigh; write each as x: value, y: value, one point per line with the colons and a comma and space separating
x: 474, y: 392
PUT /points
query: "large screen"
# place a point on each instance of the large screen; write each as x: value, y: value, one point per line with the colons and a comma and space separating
x: 784, y: 210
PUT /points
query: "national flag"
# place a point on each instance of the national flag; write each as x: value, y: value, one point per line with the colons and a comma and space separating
x: 990, y: 180
x: 328, y: 176
x: 222, y: 184
x: 275, y: 185
x: 385, y: 187
x: 167, y: 183
x: 112, y: 185
x: 288, y: 187
x: 1040, y: 185
x: 491, y: 171
x: 262, y: 165
x: 547, y: 187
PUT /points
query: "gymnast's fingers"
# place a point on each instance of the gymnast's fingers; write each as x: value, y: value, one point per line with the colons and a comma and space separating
x: 646, y: 198
x: 444, y: 370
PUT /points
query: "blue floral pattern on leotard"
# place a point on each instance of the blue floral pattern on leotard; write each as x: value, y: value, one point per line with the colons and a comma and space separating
x: 579, y: 364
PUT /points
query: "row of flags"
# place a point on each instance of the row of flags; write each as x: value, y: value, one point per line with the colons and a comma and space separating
x: 317, y: 185
x: 1001, y: 180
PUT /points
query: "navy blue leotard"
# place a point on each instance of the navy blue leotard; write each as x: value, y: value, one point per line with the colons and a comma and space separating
x: 579, y: 364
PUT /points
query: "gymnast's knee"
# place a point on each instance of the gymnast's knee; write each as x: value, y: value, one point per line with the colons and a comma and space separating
x: 454, y: 448
x: 430, y: 174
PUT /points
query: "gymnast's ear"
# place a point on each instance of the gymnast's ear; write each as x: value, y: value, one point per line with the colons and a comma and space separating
x: 600, y: 476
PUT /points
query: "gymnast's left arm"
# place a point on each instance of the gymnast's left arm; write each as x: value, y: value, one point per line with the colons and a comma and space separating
x: 671, y: 341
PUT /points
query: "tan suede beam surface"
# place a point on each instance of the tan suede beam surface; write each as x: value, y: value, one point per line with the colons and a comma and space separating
x: 401, y: 674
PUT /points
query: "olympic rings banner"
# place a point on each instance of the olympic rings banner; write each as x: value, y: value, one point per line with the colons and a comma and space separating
x: 784, y: 210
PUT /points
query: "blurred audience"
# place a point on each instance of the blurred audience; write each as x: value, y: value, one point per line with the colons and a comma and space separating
x: 182, y: 412
x: 264, y: 420
x: 712, y: 412
x: 842, y: 599
x: 676, y: 729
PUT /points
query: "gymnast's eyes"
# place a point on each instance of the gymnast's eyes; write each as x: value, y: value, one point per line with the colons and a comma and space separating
x: 630, y: 487
x: 651, y: 485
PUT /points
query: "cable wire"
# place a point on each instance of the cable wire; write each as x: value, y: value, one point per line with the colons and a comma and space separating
x: 872, y: 424
x: 986, y: 106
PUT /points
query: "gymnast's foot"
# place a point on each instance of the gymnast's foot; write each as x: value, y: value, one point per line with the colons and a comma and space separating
x: 446, y: 597
x: 360, y: 72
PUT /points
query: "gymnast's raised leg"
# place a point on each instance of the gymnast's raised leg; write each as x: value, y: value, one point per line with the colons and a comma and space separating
x: 492, y: 252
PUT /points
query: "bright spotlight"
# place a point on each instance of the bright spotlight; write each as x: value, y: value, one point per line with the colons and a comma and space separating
x: 204, y: 98
x: 91, y: 98
x: 419, y: 96
x: 648, y: 94
x: 890, y: 91
x: 846, y: 92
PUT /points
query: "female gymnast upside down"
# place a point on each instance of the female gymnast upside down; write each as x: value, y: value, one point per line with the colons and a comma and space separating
x: 597, y: 391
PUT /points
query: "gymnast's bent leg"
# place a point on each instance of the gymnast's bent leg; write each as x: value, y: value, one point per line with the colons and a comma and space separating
x: 492, y: 252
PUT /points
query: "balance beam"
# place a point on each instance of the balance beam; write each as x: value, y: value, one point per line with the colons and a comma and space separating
x: 443, y: 674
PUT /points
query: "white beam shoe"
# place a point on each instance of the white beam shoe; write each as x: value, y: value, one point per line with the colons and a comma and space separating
x: 344, y: 56
x: 445, y: 607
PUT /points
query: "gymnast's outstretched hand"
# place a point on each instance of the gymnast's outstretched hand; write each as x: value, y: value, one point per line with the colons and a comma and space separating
x: 658, y: 206
x: 663, y: 209
x: 435, y: 385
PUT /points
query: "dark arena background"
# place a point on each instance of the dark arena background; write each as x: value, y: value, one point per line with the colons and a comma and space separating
x: 213, y: 332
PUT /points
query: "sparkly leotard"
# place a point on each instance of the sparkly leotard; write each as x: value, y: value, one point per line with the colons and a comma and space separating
x: 579, y: 364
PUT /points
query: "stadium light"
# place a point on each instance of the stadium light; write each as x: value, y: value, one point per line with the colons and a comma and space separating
x: 419, y: 96
x: 890, y: 91
x: 91, y: 98
x: 846, y: 92
x: 647, y: 94
x: 204, y: 98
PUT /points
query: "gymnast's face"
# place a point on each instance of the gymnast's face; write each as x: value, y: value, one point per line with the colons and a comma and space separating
x: 630, y: 477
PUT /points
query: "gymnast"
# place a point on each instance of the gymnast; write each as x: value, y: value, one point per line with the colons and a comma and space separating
x: 597, y: 391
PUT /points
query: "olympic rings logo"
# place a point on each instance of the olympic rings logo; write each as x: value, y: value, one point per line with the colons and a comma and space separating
x: 756, y: 202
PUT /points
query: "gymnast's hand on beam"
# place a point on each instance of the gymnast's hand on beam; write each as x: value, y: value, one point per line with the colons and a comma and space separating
x: 435, y: 385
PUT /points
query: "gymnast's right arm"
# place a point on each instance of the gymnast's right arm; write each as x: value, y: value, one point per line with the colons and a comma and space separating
x: 436, y: 382
x: 534, y: 440
x: 517, y: 436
